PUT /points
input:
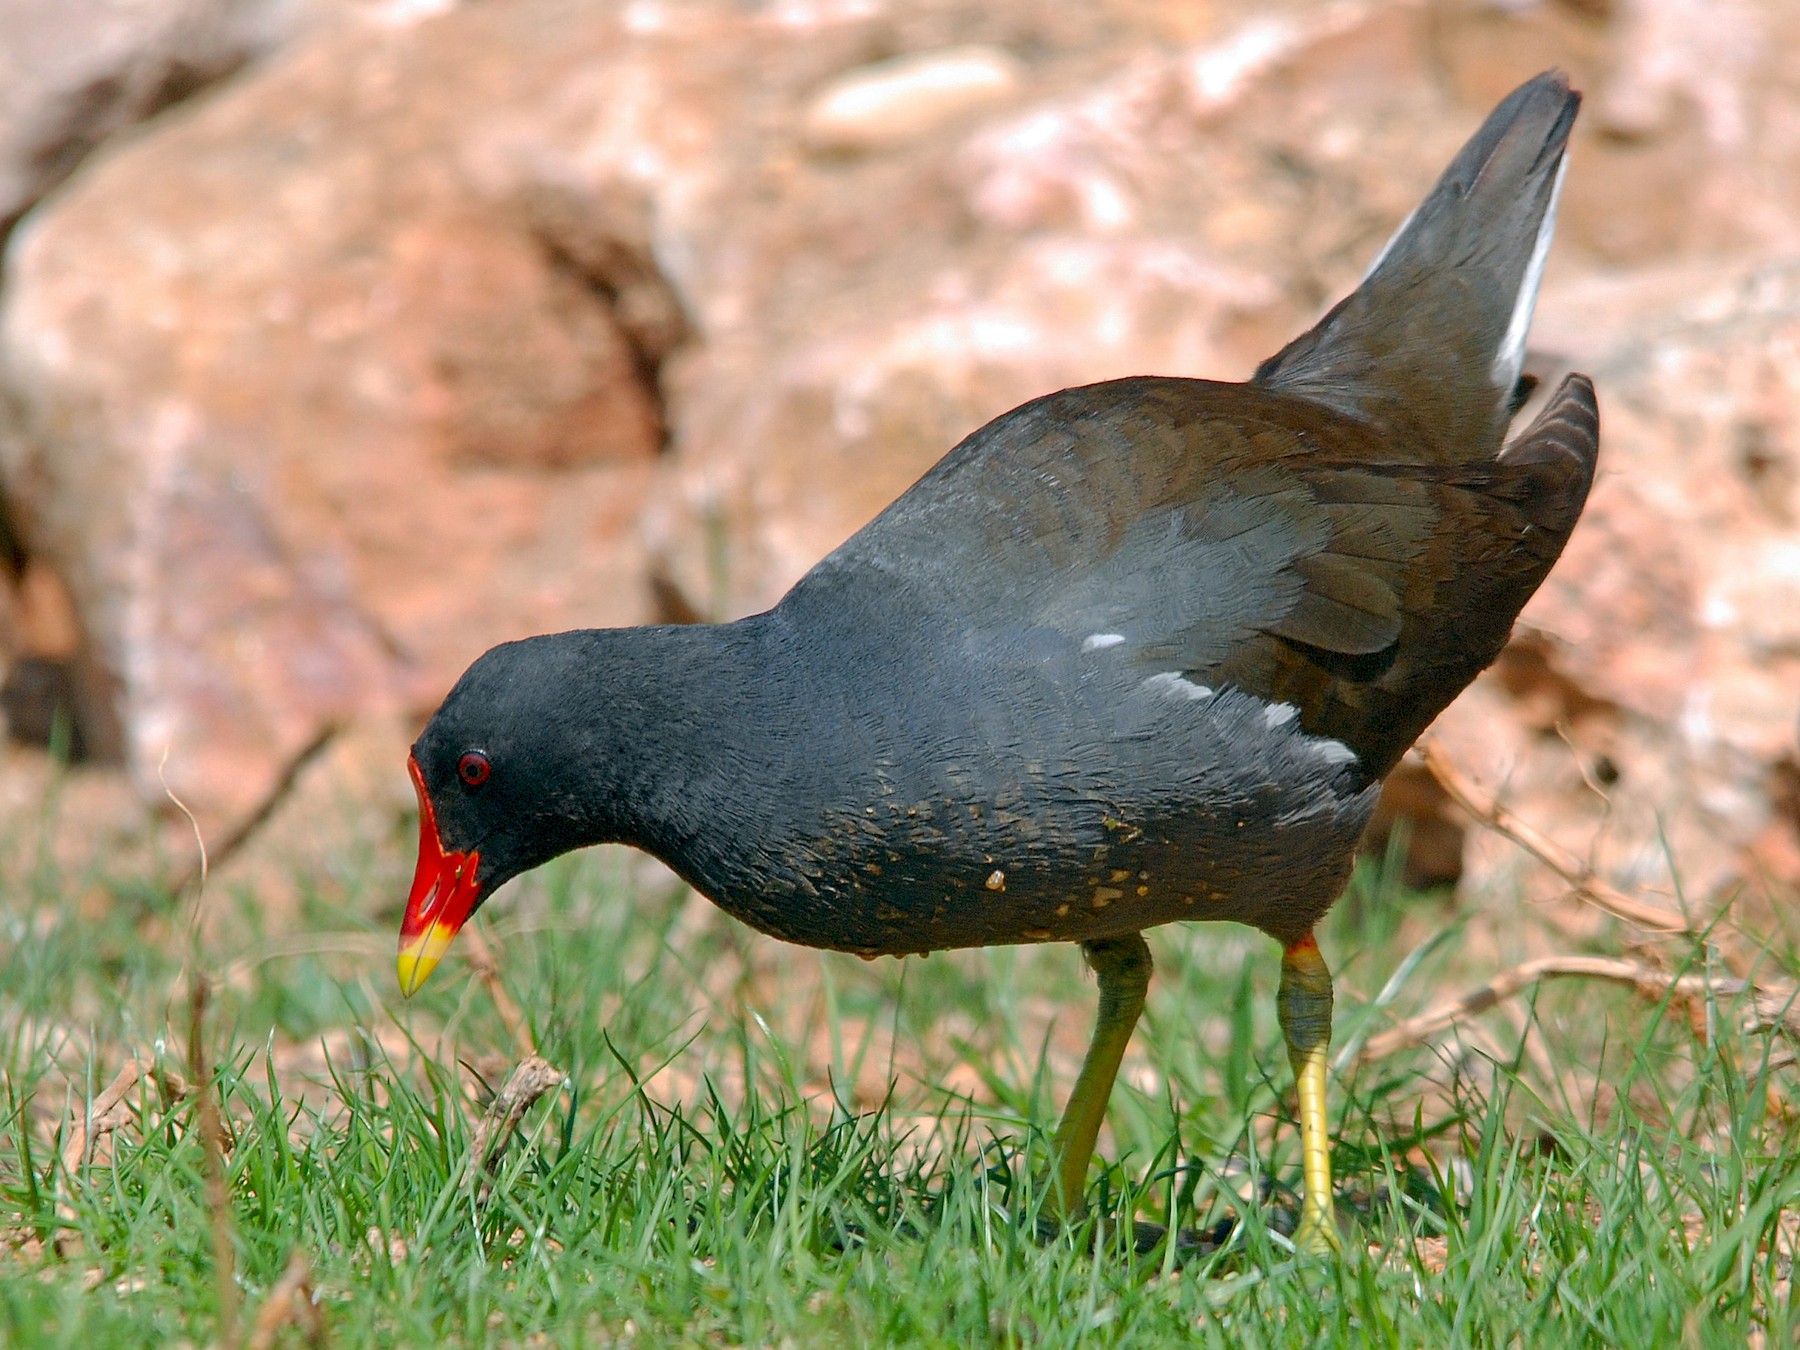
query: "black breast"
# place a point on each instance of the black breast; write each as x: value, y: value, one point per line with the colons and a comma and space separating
x: 1032, y: 791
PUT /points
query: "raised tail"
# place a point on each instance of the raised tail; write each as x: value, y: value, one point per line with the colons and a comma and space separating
x: 1555, y: 458
x: 1432, y: 342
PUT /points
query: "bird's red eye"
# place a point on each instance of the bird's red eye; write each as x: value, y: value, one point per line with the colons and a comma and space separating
x: 473, y: 768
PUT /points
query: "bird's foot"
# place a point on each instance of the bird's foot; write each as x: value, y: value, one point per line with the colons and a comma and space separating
x: 1146, y: 1238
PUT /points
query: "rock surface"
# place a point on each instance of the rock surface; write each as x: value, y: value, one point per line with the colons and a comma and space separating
x: 75, y: 72
x: 890, y: 103
x: 353, y: 423
x: 420, y: 335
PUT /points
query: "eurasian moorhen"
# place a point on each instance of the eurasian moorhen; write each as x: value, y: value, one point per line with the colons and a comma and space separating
x: 1134, y: 652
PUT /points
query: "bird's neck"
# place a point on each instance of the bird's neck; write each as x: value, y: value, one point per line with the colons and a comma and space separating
x: 677, y: 726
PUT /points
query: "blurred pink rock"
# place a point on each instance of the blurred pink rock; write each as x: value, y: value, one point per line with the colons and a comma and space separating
x: 308, y: 423
x: 426, y: 334
x: 75, y: 72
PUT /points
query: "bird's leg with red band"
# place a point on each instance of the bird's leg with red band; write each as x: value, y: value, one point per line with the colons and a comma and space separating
x: 1122, y: 966
x: 1304, y: 1003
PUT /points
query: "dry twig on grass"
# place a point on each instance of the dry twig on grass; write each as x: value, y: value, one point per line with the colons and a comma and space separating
x: 1580, y: 877
x: 109, y: 1112
x: 289, y: 1304
x: 105, y: 1114
x: 530, y: 1081
x: 1774, y: 1006
x: 212, y: 1145
x: 480, y: 957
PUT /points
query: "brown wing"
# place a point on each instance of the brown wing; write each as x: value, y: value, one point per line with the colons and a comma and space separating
x: 1244, y: 538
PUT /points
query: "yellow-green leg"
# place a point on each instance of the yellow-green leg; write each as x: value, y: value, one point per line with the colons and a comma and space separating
x: 1123, y: 967
x: 1305, y: 1006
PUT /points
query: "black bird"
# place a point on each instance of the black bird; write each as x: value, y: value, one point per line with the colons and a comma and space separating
x: 1133, y: 652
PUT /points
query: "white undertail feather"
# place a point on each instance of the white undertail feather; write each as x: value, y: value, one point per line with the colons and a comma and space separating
x: 1510, y: 359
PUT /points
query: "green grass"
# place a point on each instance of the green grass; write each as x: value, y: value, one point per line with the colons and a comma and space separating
x: 758, y: 1145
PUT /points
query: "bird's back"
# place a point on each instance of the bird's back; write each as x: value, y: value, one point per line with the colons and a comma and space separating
x: 1232, y: 535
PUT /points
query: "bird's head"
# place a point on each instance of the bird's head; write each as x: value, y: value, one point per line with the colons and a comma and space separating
x: 497, y: 793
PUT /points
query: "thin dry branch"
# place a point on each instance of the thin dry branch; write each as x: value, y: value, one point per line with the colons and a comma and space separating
x: 107, y: 1113
x: 1580, y: 877
x: 480, y: 957
x: 104, y: 1114
x: 289, y: 1304
x: 171, y: 1087
x: 241, y: 833
x: 530, y: 1081
x: 1773, y: 1006
x: 212, y: 1145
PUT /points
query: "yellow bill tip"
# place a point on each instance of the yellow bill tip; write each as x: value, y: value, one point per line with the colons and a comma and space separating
x: 419, y: 956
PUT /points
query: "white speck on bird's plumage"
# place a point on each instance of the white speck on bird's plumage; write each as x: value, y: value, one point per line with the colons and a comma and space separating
x: 1094, y: 642
x: 996, y: 880
x: 1332, y: 752
x: 1279, y: 715
x: 1173, y: 684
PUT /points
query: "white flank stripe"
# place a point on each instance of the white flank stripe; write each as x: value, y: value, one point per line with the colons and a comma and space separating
x: 1332, y: 752
x: 1173, y: 684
